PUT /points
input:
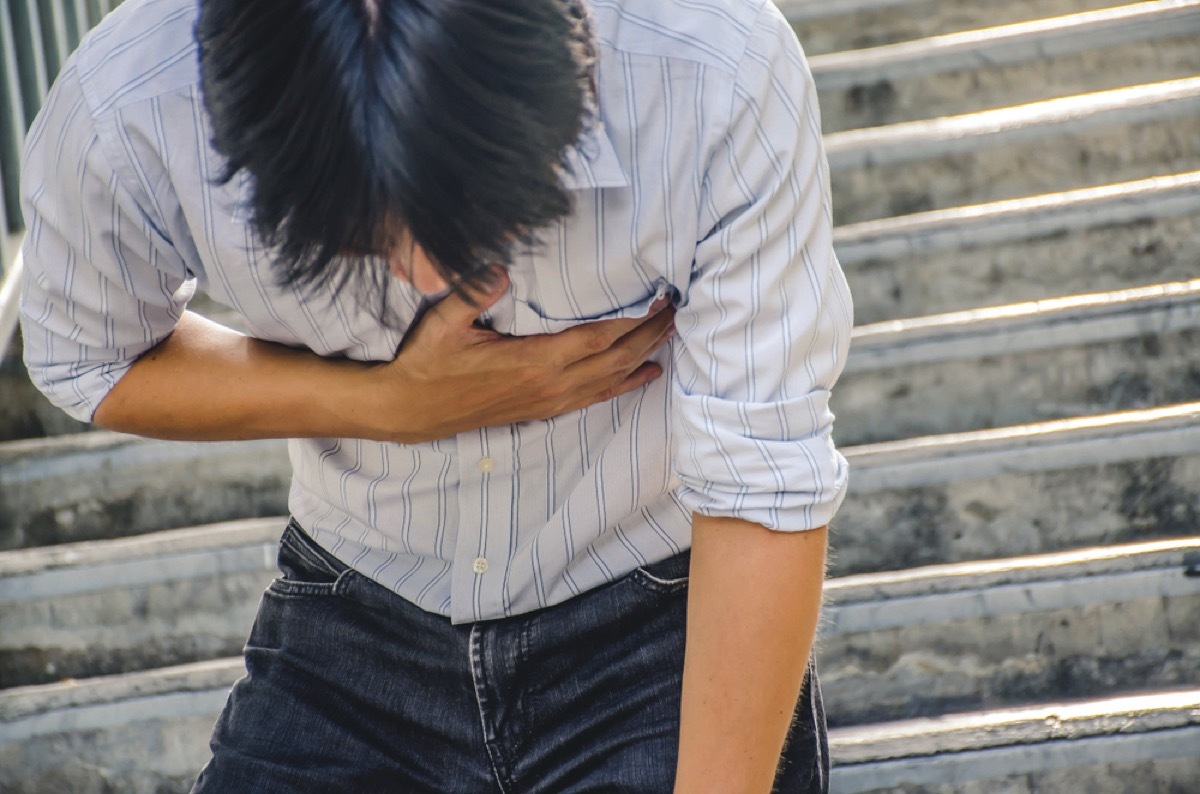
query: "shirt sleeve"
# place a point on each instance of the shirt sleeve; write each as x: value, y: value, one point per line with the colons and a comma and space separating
x: 765, y: 327
x: 101, y: 285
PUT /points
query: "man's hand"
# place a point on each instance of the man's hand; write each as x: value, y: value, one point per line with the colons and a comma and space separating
x: 452, y: 375
x: 207, y: 383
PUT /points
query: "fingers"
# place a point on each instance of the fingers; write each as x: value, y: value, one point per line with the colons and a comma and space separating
x: 580, y: 343
x: 636, y: 380
x: 626, y: 353
x: 650, y: 336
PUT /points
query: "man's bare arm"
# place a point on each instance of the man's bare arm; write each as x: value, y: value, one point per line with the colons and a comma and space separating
x: 753, y: 603
x: 206, y: 382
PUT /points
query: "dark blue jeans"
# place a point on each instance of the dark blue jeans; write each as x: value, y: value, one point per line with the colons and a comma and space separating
x: 351, y: 688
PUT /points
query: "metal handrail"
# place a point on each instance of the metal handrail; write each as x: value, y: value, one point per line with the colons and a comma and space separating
x: 10, y: 296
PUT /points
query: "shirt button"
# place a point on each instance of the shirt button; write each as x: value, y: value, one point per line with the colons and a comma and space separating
x: 486, y: 465
x: 479, y: 565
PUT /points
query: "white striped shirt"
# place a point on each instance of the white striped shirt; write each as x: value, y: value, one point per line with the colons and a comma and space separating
x: 705, y: 180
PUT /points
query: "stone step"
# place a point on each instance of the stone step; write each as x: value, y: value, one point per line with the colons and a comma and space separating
x: 136, y: 733
x: 1006, y: 44
x: 945, y: 499
x: 1024, y: 62
x: 919, y: 140
x: 1059, y: 144
x: 1030, y: 489
x: 1051, y: 359
x: 971, y: 635
x: 985, y: 635
x: 24, y: 412
x: 147, y: 733
x: 993, y: 493
x: 105, y: 607
x: 826, y: 26
x: 99, y: 485
x: 1112, y: 237
x: 1140, y: 743
x: 1103, y: 238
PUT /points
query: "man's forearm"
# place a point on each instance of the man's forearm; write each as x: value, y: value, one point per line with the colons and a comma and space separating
x: 753, y: 605
x: 205, y: 382
x: 208, y: 383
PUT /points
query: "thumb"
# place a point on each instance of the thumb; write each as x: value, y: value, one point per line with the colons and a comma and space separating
x: 464, y: 304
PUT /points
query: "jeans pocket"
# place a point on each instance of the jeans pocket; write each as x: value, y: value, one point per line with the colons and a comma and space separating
x: 308, y: 569
x: 665, y: 576
x: 290, y: 588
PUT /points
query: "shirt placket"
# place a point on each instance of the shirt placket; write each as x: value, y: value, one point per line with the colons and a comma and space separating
x: 481, y: 550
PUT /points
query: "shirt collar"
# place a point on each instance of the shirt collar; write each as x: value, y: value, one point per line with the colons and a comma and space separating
x: 592, y: 162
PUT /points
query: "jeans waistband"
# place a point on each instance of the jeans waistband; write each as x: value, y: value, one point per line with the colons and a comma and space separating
x: 302, y: 544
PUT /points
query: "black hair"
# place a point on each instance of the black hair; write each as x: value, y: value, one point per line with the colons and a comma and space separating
x: 365, y: 123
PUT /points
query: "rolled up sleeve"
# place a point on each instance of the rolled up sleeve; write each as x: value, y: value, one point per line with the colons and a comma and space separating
x: 101, y: 286
x: 765, y: 326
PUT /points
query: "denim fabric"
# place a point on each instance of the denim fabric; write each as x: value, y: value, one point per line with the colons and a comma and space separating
x: 351, y: 688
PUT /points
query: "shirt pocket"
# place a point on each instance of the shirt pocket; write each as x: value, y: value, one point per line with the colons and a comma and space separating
x: 531, y: 317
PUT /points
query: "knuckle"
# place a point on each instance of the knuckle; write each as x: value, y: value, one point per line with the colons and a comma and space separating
x: 624, y: 360
x: 561, y: 358
x: 556, y: 400
x: 596, y: 341
x: 529, y: 376
x: 608, y: 394
x: 555, y: 391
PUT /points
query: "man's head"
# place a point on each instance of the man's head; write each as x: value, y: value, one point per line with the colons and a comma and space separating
x: 400, y: 129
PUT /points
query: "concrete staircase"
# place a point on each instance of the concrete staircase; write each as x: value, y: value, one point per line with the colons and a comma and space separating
x: 1015, y: 601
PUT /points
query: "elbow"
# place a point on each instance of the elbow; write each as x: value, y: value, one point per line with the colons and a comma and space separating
x: 85, y: 395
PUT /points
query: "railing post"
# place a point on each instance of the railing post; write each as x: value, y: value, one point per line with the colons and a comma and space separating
x: 12, y: 126
x: 55, y: 37
x: 10, y: 293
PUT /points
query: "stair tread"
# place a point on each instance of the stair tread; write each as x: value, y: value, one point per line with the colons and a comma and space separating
x: 1014, y: 220
x: 33, y: 458
x: 1086, y: 428
x: 1029, y: 325
x: 1006, y: 44
x: 955, y: 733
x: 81, y: 568
x: 24, y: 702
x: 950, y: 733
x: 915, y: 140
x: 1110, y: 560
x: 169, y: 542
x: 1172, y: 430
x: 798, y: 10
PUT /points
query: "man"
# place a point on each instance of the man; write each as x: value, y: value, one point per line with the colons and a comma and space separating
x: 452, y: 228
